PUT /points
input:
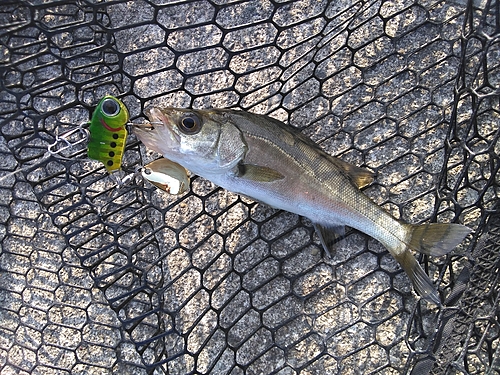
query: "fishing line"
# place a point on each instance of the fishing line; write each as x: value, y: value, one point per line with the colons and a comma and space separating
x: 45, y: 156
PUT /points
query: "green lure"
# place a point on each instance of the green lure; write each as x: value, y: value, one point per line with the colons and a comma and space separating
x: 108, y: 134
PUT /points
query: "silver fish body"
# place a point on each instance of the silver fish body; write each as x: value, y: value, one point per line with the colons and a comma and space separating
x: 264, y: 159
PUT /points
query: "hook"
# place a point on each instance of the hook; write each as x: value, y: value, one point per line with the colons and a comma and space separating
x: 62, y: 141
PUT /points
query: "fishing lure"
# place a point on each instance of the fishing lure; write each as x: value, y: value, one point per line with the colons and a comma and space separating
x: 108, y: 133
x: 167, y: 176
x: 106, y: 139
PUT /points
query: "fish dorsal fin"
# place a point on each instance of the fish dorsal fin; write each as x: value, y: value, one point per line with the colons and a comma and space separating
x: 328, y: 236
x: 359, y: 176
x: 258, y: 173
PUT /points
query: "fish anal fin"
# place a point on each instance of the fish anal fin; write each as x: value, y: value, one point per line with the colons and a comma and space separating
x: 258, y: 173
x: 328, y: 236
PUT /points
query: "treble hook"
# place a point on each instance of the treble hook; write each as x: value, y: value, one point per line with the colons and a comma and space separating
x: 62, y: 141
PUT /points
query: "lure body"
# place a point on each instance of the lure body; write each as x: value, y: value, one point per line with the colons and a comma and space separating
x: 108, y: 133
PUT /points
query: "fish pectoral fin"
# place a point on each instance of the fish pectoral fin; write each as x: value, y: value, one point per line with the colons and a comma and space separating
x: 258, y: 173
x: 359, y: 176
x: 328, y: 236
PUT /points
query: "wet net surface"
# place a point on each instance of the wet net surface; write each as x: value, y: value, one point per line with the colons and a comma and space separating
x: 96, y: 279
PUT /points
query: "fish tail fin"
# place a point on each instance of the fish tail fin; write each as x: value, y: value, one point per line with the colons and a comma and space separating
x: 430, y: 239
x: 421, y: 282
x: 436, y: 239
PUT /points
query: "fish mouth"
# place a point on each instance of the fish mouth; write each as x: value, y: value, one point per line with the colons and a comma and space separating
x: 158, y: 131
x: 156, y: 119
x: 156, y: 116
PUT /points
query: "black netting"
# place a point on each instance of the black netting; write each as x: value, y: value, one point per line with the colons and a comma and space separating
x: 100, y: 279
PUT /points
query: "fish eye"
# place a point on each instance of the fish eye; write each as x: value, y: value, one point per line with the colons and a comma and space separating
x: 110, y: 107
x: 190, y: 124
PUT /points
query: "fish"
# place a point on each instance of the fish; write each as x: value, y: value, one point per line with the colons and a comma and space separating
x: 270, y: 162
x: 166, y: 175
x: 108, y: 132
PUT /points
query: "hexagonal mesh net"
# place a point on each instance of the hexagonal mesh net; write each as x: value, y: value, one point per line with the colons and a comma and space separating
x: 101, y: 279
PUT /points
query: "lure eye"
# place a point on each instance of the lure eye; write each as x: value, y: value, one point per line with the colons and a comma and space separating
x: 110, y: 107
x: 190, y: 124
